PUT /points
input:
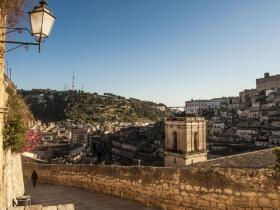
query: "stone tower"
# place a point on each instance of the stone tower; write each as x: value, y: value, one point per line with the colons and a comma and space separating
x: 185, y: 141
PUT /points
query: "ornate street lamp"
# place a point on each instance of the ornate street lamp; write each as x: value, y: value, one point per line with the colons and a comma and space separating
x: 41, y: 21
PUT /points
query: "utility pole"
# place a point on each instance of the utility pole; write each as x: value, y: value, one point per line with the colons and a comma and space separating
x: 73, y: 81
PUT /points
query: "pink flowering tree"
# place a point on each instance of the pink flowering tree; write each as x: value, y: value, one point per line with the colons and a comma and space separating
x: 31, y: 140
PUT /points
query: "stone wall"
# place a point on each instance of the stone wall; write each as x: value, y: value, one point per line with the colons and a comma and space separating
x: 268, y: 82
x: 2, y: 105
x: 170, y: 188
x: 13, y: 177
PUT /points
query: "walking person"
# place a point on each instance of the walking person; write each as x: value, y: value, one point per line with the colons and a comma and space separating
x: 34, y: 178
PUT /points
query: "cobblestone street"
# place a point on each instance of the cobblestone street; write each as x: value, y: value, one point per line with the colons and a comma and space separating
x: 83, y: 200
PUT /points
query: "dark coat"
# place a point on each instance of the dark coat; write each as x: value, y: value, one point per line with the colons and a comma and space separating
x: 34, y: 176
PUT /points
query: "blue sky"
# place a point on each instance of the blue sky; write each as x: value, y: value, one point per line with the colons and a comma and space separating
x: 160, y: 50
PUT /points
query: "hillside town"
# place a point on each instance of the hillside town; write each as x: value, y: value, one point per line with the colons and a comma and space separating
x: 234, y: 125
x: 112, y: 143
x: 253, y: 117
x: 82, y: 147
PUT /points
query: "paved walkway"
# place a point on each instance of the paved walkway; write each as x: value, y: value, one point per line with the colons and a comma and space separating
x: 83, y: 200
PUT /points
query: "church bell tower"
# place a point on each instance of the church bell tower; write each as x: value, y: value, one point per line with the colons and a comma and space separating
x: 185, y: 141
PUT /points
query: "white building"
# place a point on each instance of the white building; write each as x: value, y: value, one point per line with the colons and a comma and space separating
x: 198, y: 106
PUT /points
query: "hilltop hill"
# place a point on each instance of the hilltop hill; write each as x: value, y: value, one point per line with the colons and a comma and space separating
x: 51, y: 105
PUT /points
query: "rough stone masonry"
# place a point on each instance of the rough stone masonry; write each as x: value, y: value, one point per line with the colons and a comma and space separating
x: 170, y: 188
x: 2, y: 105
x: 11, y: 179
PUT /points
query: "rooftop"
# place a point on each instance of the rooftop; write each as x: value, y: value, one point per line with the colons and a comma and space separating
x: 185, y: 119
x: 258, y: 159
x: 204, y: 100
x: 268, y: 76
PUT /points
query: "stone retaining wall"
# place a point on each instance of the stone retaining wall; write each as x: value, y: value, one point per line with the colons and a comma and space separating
x: 2, y: 105
x: 170, y: 188
x: 13, y: 177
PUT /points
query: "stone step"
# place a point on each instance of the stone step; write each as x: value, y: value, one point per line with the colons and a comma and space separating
x: 40, y: 207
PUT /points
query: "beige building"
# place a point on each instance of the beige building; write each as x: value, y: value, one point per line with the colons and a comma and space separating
x: 79, y: 136
x: 185, y: 141
x: 268, y: 82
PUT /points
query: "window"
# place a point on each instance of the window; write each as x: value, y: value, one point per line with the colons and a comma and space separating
x: 196, y: 141
x: 175, y: 141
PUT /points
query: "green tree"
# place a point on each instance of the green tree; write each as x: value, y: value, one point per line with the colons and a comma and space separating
x: 16, y: 123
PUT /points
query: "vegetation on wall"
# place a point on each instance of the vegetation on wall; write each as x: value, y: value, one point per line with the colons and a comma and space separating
x: 277, y: 154
x: 16, y: 123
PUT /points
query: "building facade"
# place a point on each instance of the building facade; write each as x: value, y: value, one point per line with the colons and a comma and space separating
x: 79, y: 136
x: 268, y: 82
x: 247, y: 98
x: 198, y: 106
x: 185, y: 141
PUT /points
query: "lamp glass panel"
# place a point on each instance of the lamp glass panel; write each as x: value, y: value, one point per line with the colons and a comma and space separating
x: 36, y: 22
x: 41, y: 22
x: 48, y: 21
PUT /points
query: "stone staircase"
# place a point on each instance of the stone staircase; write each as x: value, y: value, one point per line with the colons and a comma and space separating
x: 40, y: 207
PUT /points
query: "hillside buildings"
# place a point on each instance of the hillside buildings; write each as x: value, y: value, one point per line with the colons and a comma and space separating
x: 247, y: 98
x: 185, y: 141
x: 80, y: 136
x: 118, y: 143
x: 199, y: 106
x: 253, y: 118
x: 140, y: 145
x: 248, y: 122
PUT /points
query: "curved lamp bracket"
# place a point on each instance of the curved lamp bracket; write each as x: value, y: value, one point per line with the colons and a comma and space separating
x: 18, y: 43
